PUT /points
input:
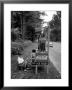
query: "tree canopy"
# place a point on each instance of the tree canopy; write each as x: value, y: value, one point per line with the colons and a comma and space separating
x: 55, y: 25
x: 25, y: 19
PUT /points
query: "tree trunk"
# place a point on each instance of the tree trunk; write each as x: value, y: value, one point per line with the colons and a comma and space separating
x: 23, y: 26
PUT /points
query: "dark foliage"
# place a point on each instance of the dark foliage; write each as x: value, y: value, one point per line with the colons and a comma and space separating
x: 30, y: 33
x: 26, y: 20
x: 13, y: 36
x: 16, y: 50
x: 55, y: 35
x: 55, y: 25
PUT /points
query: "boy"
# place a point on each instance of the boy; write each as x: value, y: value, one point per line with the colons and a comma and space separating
x: 20, y: 62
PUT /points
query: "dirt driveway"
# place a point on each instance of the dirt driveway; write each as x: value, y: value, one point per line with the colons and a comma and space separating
x: 53, y: 73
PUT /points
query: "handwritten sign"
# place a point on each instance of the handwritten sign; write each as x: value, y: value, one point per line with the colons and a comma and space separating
x: 40, y: 57
x: 40, y: 63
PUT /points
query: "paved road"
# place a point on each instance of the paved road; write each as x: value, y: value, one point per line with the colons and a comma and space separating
x: 55, y: 55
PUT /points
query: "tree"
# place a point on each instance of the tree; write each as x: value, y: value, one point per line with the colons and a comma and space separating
x: 55, y: 25
x: 22, y: 19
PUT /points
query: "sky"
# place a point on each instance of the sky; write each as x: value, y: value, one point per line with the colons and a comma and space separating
x: 48, y: 16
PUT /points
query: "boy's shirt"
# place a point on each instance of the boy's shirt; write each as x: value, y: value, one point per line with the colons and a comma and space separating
x: 20, y: 60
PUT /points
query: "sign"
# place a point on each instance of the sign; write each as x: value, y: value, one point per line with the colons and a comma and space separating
x: 41, y: 57
x: 40, y: 63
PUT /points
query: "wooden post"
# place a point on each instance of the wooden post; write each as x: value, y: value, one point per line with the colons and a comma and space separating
x: 48, y: 44
x: 36, y: 70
